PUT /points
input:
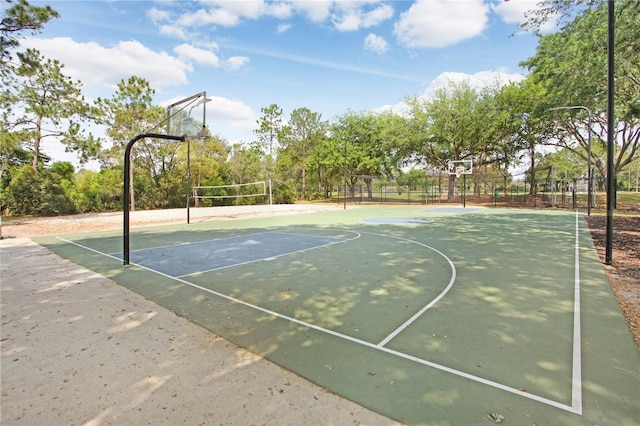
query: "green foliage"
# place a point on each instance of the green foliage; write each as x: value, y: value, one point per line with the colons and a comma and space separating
x: 414, y: 179
x: 37, y: 193
x: 571, y: 64
x: 283, y: 192
x: 567, y: 165
x: 269, y: 129
x: 97, y: 191
x: 17, y: 19
x: 64, y: 169
x: 40, y: 102
x: 126, y: 114
x: 300, y: 138
x: 244, y: 165
x: 306, y: 158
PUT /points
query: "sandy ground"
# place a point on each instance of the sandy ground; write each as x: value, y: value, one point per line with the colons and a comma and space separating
x: 76, y: 348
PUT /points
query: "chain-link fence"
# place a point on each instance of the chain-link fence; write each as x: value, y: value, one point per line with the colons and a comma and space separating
x: 472, y: 190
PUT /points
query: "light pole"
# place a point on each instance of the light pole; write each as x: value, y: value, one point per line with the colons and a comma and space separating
x: 589, y: 186
x: 345, y: 174
x: 611, y: 188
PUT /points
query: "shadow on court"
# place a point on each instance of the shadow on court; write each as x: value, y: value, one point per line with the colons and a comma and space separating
x: 440, y: 318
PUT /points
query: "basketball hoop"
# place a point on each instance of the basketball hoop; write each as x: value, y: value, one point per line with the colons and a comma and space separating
x: 460, y: 167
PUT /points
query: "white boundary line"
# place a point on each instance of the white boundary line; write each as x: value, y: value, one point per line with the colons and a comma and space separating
x: 576, y: 397
x: 576, y: 378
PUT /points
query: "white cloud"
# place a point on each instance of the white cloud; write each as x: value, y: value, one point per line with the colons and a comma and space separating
x: 250, y: 9
x: 231, y: 13
x: 221, y: 108
x: 204, y: 17
x: 376, y: 44
x: 280, y: 10
x: 316, y: 11
x: 345, y: 15
x: 173, y: 31
x: 224, y: 113
x: 98, y: 66
x: 478, y: 81
x: 189, y: 53
x: 440, y: 23
x: 514, y: 12
x: 282, y: 28
x: 157, y: 15
x: 235, y: 62
x: 347, y: 22
x: 354, y: 16
x: 377, y: 16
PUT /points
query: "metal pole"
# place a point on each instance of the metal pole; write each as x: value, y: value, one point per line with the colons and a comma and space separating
x: 610, y: 133
x: 345, y: 174
x: 188, y: 179
x: 125, y: 199
x: 589, y: 180
x: 202, y: 102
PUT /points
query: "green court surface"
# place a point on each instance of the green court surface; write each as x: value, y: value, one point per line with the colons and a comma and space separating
x: 425, y: 315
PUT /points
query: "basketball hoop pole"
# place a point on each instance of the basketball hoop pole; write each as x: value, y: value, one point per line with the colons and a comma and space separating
x: 127, y: 180
x: 202, y: 102
x: 464, y: 190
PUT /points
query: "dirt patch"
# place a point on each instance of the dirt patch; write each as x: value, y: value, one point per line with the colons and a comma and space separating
x: 624, y: 272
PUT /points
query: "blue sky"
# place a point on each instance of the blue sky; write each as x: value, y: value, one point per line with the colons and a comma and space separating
x: 328, y: 56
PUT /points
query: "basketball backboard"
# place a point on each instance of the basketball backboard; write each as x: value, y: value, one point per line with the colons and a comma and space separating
x: 460, y: 167
x: 187, y: 117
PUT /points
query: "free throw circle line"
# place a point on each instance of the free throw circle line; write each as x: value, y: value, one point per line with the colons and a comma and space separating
x: 417, y: 315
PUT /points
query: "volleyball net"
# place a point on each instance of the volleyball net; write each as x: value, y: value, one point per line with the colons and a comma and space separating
x: 233, y: 191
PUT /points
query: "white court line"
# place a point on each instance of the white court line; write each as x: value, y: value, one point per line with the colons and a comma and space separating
x: 576, y: 399
x: 576, y: 378
x: 430, y: 304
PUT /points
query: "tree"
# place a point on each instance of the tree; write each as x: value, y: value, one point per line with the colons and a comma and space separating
x: 245, y: 166
x: 97, y: 191
x: 208, y: 163
x: 566, y: 164
x: 450, y: 127
x: 128, y: 113
x: 40, y: 102
x: 269, y: 128
x: 365, y: 138
x: 526, y: 127
x: 572, y: 66
x: 37, y: 192
x: 300, y: 138
x: 18, y: 18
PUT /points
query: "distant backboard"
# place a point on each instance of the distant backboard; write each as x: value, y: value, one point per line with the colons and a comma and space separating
x: 186, y: 117
x: 460, y: 167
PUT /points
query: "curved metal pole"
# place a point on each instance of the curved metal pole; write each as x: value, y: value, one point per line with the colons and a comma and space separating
x: 127, y: 168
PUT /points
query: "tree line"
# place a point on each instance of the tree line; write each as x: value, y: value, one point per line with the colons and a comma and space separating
x: 544, y: 120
